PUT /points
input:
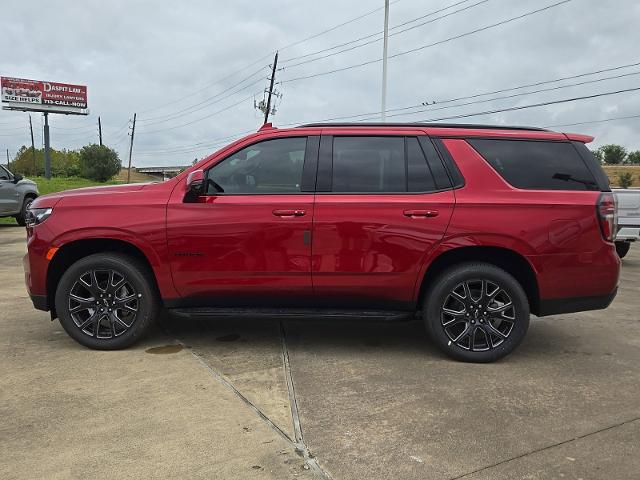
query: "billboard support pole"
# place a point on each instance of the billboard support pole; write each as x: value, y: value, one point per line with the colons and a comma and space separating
x: 47, y: 155
x: 100, y: 131
x: 133, y: 132
x: 33, y: 148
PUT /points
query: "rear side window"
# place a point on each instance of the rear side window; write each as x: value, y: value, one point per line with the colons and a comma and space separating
x: 537, y: 165
x: 368, y: 164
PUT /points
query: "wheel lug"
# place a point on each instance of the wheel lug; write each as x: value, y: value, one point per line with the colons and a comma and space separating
x: 473, y: 321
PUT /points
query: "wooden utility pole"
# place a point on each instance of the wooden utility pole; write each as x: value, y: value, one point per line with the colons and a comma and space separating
x: 100, y: 130
x: 133, y: 132
x: 33, y: 148
x: 273, y: 77
x: 383, y: 107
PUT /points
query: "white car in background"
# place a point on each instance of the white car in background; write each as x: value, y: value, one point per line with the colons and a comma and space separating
x: 628, y: 201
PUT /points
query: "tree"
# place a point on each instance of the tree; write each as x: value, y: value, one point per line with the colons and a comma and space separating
x: 625, y: 179
x: 64, y: 163
x: 613, y: 154
x: 634, y: 158
x: 99, y: 162
x: 598, y: 154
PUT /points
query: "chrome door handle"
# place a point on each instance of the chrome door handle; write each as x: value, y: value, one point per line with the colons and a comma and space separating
x: 420, y: 213
x: 289, y: 213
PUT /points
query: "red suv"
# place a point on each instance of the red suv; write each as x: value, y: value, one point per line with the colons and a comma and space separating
x: 470, y: 228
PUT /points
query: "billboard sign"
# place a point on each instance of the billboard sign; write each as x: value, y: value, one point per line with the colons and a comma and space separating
x: 40, y: 96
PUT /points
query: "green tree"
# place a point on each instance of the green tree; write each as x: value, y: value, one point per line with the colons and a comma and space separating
x: 64, y: 163
x: 99, y: 162
x: 634, y: 158
x: 598, y: 154
x: 613, y: 154
x: 625, y: 179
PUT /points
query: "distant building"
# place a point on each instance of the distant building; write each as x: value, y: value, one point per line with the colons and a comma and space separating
x: 163, y: 173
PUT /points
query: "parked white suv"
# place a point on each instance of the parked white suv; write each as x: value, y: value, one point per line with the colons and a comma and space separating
x: 628, y: 219
x: 16, y: 194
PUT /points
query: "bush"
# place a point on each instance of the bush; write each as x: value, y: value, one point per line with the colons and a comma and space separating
x: 99, y: 162
x: 613, y: 154
x: 634, y: 158
x: 625, y: 179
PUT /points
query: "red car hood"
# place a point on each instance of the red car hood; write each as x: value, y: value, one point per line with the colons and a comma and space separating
x: 51, y: 199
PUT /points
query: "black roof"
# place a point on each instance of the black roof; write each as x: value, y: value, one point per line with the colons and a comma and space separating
x: 432, y: 125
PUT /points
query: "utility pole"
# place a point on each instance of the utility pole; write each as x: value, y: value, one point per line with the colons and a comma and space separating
x: 100, y: 131
x: 47, y: 155
x: 273, y: 77
x: 383, y: 109
x: 8, y: 159
x: 133, y: 132
x: 33, y: 148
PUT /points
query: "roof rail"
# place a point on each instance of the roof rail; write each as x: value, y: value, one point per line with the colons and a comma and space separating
x: 431, y: 125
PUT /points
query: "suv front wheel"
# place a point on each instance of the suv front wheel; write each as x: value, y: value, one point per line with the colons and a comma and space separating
x: 105, y: 301
x: 476, y: 312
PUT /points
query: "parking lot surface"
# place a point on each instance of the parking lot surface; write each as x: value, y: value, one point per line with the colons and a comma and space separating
x: 254, y: 398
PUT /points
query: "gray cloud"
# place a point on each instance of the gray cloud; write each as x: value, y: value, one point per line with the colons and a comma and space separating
x: 137, y: 56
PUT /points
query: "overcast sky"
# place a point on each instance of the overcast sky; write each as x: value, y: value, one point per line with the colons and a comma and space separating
x: 146, y: 57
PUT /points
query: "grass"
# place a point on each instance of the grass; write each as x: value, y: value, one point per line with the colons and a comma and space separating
x: 613, y: 171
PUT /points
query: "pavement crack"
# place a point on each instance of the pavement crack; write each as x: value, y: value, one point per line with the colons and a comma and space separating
x: 301, y: 446
x: 526, y: 454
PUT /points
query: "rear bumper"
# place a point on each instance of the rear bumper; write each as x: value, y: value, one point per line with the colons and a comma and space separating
x: 631, y: 232
x: 557, y: 306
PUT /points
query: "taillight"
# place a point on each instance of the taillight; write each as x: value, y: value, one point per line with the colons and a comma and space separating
x: 607, y: 211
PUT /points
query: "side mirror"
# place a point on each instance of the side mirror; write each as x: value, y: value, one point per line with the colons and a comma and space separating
x: 17, y: 177
x: 195, y: 185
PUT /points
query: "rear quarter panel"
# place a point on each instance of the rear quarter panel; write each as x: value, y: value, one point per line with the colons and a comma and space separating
x: 556, y: 231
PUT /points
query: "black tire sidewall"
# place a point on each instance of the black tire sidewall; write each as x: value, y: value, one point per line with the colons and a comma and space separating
x: 622, y: 248
x: 135, y: 274
x: 448, y: 280
x: 21, y: 218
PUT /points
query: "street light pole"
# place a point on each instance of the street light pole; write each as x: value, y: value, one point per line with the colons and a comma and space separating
x: 384, y: 61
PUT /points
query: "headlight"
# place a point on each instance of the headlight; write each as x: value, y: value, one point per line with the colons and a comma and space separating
x: 37, y: 215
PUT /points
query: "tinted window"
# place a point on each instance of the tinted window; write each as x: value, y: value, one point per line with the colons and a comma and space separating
x: 368, y: 164
x: 418, y: 172
x: 536, y: 165
x: 272, y: 166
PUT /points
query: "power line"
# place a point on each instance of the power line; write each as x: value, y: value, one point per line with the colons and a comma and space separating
x: 477, y: 95
x: 268, y: 55
x: 422, y: 47
x: 533, y: 105
x: 628, y: 117
x: 391, y: 34
x: 167, y: 117
x: 198, y: 119
x: 504, y: 97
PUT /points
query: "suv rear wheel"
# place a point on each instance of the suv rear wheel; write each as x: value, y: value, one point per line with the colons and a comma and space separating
x: 476, y: 312
x: 104, y: 301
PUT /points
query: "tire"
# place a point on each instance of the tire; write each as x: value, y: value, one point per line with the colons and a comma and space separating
x: 468, y: 333
x: 622, y: 248
x: 113, y: 304
x: 21, y: 218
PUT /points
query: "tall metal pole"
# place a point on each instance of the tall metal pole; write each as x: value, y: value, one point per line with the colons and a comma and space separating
x: 383, y: 108
x: 100, y: 131
x: 8, y: 159
x: 273, y: 77
x: 33, y: 149
x: 47, y: 155
x: 133, y: 132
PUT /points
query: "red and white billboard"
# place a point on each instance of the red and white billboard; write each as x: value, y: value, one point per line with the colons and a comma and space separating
x: 40, y: 96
